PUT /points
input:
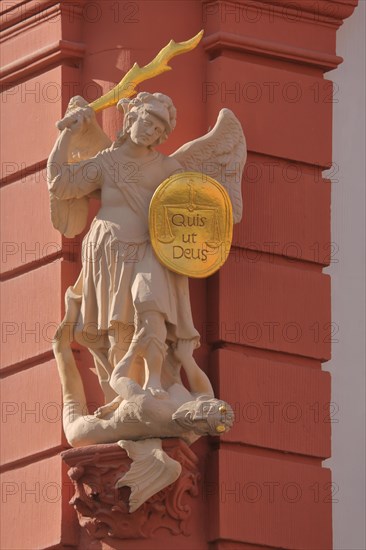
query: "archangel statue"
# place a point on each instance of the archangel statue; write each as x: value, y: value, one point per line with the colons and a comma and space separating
x: 130, y: 311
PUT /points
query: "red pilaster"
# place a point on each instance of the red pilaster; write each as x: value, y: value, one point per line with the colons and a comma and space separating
x: 269, y: 307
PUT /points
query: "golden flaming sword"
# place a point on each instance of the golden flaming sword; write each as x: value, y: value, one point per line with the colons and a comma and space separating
x: 136, y: 75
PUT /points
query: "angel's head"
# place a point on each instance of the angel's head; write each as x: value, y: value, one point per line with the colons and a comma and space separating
x: 148, y: 118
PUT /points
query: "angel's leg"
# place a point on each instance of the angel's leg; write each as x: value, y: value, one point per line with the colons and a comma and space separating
x: 149, y: 343
x: 197, y: 379
x: 120, y: 336
x: 127, y: 366
x: 153, y: 324
x: 121, y: 345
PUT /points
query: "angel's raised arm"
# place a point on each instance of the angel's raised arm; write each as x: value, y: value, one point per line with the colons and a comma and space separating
x: 73, y: 168
x: 71, y: 180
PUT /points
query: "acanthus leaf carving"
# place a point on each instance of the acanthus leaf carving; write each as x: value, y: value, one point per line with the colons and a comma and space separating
x: 103, y: 509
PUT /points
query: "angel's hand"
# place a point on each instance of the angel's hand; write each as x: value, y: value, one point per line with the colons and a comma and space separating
x: 77, y: 119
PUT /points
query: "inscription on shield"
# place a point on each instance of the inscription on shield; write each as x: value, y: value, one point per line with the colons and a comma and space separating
x: 191, y: 224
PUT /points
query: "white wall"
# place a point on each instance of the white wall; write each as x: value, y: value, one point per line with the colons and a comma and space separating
x: 348, y: 288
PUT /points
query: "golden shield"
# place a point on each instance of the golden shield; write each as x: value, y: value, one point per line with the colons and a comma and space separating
x: 191, y: 224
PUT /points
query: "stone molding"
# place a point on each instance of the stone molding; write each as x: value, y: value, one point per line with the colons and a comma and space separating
x: 219, y: 41
x: 326, y: 12
x: 21, y: 16
x: 41, y: 59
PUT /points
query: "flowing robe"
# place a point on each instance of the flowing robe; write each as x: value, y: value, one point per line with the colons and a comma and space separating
x: 121, y: 276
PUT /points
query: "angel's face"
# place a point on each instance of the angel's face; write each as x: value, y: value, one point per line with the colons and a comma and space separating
x: 146, y: 129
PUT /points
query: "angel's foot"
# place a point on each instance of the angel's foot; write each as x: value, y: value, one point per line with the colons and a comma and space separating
x: 108, y: 408
x: 153, y: 385
x: 157, y: 392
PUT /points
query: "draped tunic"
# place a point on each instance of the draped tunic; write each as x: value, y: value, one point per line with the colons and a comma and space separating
x: 122, y: 277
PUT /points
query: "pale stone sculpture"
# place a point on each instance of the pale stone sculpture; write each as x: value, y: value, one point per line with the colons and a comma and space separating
x: 131, y: 312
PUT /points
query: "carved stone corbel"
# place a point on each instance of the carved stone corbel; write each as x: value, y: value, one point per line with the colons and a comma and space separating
x: 103, y: 509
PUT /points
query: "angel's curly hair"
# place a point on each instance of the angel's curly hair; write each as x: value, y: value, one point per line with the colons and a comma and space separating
x: 156, y: 104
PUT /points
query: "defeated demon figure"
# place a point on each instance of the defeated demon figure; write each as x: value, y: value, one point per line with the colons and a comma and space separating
x: 136, y: 413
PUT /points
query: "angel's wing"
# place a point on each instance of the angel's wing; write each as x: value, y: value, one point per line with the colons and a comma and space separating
x: 70, y: 216
x: 221, y: 154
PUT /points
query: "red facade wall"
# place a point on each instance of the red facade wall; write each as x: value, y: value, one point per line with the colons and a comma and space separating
x: 265, y: 318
